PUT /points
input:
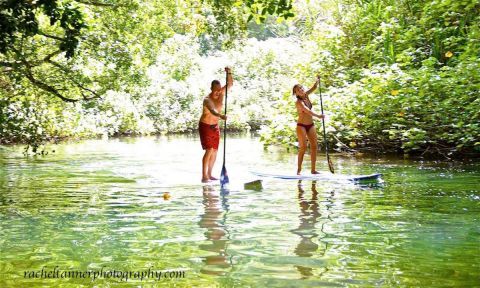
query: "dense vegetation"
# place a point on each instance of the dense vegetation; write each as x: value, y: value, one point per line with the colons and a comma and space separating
x: 399, y: 75
x: 396, y: 75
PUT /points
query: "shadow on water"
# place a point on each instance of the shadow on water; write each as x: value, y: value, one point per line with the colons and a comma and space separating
x: 214, y: 219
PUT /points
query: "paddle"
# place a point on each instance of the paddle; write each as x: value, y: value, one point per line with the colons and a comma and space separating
x: 224, y: 176
x: 330, y: 164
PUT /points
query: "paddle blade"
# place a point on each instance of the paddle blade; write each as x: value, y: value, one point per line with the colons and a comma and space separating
x: 224, y: 176
x: 330, y: 165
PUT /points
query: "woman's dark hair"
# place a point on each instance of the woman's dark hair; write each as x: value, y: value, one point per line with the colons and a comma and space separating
x: 293, y: 90
x: 214, y: 82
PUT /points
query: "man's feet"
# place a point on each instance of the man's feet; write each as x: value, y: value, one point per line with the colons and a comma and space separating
x: 205, y: 180
x: 213, y: 178
x: 299, y: 172
x: 315, y: 172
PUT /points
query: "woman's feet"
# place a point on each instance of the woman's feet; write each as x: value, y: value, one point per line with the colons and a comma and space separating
x: 313, y: 172
x: 205, y: 180
x: 213, y: 178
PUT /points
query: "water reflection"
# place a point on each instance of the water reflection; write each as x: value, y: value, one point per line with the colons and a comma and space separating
x: 309, y: 217
x: 214, y: 220
x: 96, y: 203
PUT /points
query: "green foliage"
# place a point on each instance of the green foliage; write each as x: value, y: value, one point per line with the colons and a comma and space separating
x: 20, y: 19
x: 399, y: 76
x: 410, y: 111
x: 29, y: 119
x: 380, y: 31
x: 74, y: 51
x: 108, y: 70
x: 396, y: 75
x: 174, y: 103
x: 227, y: 20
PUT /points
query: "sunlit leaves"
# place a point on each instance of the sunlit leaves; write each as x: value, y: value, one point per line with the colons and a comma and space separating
x: 19, y: 19
x: 232, y: 16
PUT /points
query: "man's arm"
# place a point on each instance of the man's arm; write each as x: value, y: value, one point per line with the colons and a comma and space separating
x: 209, y: 104
x: 229, y: 83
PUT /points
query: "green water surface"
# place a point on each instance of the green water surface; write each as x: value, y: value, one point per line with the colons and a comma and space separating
x: 100, y: 204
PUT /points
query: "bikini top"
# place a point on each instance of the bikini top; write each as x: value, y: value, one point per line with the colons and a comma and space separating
x: 309, y: 104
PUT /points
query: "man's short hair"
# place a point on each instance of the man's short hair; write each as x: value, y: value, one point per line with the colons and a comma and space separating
x: 214, y: 82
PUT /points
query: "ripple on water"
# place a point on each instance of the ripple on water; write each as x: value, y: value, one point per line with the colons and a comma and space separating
x: 100, y: 204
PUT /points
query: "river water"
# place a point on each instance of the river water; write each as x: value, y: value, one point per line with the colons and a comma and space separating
x: 101, y: 204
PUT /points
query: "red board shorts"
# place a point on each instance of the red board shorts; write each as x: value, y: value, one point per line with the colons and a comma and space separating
x: 209, y: 135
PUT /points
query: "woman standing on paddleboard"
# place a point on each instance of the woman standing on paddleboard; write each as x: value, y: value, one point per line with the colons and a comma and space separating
x: 305, y: 128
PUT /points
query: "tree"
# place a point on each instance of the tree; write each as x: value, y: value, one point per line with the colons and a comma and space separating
x: 73, y: 50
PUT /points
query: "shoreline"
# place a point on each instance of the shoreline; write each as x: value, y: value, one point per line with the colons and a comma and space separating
x: 367, y: 151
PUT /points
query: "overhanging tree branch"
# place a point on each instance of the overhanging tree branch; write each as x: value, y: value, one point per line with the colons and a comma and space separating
x: 79, y: 85
x: 28, y: 73
x: 95, y: 3
x: 48, y: 88
x: 7, y: 64
x: 51, y: 36
x: 49, y: 56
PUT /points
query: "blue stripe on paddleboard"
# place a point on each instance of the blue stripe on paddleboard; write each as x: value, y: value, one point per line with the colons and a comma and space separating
x: 320, y: 176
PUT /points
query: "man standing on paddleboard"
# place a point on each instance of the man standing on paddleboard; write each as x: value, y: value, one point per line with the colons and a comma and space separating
x: 208, y: 125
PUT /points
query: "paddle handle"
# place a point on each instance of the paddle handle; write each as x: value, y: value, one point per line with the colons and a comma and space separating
x: 225, y: 121
x: 330, y: 164
x: 323, y: 118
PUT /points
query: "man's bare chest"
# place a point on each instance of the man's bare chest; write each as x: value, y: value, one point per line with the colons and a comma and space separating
x: 217, y: 105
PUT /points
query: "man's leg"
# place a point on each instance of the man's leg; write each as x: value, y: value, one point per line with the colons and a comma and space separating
x: 211, y: 162
x: 205, y: 164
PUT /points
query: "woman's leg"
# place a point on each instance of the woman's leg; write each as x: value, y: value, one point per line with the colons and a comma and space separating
x: 312, y: 138
x: 302, y: 146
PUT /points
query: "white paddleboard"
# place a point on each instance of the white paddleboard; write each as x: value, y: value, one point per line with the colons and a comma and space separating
x: 322, y: 176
